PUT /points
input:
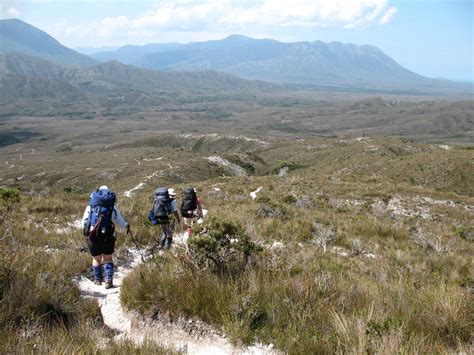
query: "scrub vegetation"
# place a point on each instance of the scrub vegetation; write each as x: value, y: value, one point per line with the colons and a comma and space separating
x: 352, y: 243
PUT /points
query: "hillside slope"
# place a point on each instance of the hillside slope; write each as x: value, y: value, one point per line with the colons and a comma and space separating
x: 348, y: 245
x: 110, y: 77
x: 18, y: 36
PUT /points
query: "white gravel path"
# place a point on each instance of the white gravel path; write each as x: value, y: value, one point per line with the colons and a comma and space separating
x: 171, y: 335
x: 129, y: 193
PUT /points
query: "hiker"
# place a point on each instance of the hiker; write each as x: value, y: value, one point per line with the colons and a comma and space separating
x: 99, y: 221
x: 191, y: 208
x: 172, y: 225
x: 164, y: 206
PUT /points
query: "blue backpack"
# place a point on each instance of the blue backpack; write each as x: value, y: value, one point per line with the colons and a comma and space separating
x: 162, y: 208
x: 101, y: 204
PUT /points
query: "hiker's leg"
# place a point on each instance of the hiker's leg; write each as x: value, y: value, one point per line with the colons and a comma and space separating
x: 164, y: 232
x: 108, y: 268
x: 108, y: 250
x: 97, y: 268
x: 187, y: 224
x: 169, y: 236
x: 96, y: 253
x: 191, y: 224
x: 171, y: 232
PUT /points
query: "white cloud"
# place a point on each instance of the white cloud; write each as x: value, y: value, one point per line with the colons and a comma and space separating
x: 388, y: 15
x: 228, y: 16
x: 104, y: 29
x: 13, y: 12
x: 9, y: 8
x: 183, y: 15
x: 266, y: 13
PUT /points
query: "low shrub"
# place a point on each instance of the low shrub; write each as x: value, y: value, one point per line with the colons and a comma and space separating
x: 223, y: 245
x: 274, y: 210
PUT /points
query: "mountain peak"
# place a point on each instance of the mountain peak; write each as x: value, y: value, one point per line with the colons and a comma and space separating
x: 237, y: 37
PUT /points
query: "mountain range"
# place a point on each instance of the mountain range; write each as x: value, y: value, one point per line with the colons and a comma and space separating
x: 265, y: 59
x: 193, y: 66
x: 316, y: 63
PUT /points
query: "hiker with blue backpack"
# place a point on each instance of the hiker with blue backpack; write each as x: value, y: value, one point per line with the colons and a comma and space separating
x: 99, y: 221
x: 164, y: 206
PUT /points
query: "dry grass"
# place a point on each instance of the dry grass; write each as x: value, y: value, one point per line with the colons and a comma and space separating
x: 344, y: 277
x: 338, y: 270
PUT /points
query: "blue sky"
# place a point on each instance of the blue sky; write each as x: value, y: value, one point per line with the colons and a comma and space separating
x: 430, y: 37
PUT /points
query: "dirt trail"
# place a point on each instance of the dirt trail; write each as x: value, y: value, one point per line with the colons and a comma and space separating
x: 193, y: 337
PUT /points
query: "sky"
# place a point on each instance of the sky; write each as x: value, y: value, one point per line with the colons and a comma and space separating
x: 430, y: 37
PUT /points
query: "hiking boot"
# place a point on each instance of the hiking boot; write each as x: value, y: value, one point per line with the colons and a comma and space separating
x: 97, y: 274
x: 168, y: 243
x: 108, y: 284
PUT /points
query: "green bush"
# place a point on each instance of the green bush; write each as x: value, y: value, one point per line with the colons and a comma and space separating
x: 223, y: 245
x: 8, y: 196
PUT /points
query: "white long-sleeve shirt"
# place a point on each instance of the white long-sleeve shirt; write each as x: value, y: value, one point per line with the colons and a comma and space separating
x: 117, y: 218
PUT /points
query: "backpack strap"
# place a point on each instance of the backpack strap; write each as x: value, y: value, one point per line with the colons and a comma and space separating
x: 96, y: 226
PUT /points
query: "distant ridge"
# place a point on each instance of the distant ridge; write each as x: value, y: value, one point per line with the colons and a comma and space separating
x: 307, y: 63
x: 22, y: 76
x: 19, y: 36
x: 128, y: 54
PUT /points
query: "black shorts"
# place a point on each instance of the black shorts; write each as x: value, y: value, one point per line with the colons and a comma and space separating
x: 99, y: 246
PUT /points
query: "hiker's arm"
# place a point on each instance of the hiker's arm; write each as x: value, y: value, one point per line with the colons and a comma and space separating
x: 85, y: 217
x: 118, y: 219
x: 174, y: 207
x: 85, y: 221
x: 199, y: 205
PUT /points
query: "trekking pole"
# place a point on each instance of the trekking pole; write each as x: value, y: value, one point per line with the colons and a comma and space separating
x: 136, y: 244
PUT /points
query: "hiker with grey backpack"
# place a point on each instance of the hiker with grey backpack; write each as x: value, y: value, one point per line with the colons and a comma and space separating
x: 99, y: 221
x: 162, y: 212
x: 191, y: 208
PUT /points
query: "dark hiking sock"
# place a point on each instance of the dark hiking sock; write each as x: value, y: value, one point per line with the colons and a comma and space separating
x: 97, y: 272
x: 108, y: 271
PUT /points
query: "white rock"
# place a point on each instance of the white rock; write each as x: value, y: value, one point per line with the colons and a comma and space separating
x: 253, y: 194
